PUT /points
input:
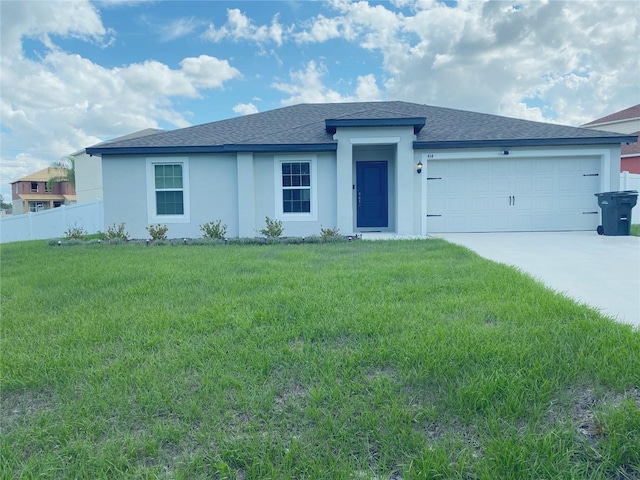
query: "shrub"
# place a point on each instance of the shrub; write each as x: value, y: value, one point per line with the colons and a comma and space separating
x: 157, y: 232
x: 207, y: 241
x: 116, y: 231
x: 214, y: 230
x: 75, y: 232
x: 327, y: 233
x: 273, y: 228
x: 313, y: 239
x: 292, y: 241
x: 246, y: 241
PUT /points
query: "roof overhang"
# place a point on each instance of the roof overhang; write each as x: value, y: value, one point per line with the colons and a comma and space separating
x: 417, y: 123
x: 41, y: 196
x: 231, y: 148
x: 524, y: 142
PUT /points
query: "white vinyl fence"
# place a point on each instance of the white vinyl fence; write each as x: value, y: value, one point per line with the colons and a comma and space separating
x: 630, y: 181
x: 52, y: 223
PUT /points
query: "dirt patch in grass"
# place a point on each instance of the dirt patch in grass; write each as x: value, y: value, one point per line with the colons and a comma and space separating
x: 290, y: 398
x: 585, y: 402
x: 437, y: 432
x: 22, y: 406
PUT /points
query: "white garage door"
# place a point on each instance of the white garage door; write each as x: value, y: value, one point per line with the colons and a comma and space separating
x: 510, y: 194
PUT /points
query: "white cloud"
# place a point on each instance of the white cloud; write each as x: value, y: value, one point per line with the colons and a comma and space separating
x: 60, y: 102
x: 241, y: 27
x: 576, y: 58
x: 321, y: 29
x: 40, y: 19
x: 178, y: 28
x: 245, y: 108
x: 307, y: 87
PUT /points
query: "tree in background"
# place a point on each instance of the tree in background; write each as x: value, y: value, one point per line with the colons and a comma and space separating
x: 67, y: 168
x: 8, y: 207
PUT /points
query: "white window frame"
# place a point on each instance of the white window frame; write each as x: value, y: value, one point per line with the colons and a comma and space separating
x: 152, y: 215
x: 313, y: 169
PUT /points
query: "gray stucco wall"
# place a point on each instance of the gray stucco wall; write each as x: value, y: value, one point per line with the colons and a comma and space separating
x: 124, y: 190
x: 214, y: 195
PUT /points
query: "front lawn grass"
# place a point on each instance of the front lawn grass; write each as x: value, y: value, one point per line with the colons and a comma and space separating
x: 635, y: 230
x: 365, y: 360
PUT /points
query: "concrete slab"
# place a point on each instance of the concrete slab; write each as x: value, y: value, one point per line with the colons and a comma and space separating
x: 600, y: 271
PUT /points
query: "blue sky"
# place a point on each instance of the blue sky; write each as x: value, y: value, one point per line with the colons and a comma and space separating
x: 77, y: 72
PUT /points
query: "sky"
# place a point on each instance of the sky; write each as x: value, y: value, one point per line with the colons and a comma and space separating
x: 74, y: 73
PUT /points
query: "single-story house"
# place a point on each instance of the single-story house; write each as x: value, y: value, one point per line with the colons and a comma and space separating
x: 89, y: 169
x: 396, y: 167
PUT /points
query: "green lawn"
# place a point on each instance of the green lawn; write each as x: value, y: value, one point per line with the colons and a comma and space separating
x: 363, y: 360
x: 635, y: 230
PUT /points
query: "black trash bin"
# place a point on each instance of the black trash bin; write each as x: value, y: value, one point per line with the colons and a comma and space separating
x: 616, y: 211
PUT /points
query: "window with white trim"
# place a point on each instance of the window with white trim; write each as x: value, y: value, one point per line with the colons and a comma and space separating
x: 167, y: 190
x: 296, y: 197
x: 296, y: 187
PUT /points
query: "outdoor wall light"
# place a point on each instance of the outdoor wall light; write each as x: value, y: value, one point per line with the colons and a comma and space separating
x: 419, y: 167
x: 506, y: 152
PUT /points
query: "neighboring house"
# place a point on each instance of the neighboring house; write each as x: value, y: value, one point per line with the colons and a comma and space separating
x: 630, y: 156
x: 624, y: 121
x: 394, y: 167
x: 32, y: 194
x: 89, y: 169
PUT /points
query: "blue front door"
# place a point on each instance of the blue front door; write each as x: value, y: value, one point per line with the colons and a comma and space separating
x: 372, y: 194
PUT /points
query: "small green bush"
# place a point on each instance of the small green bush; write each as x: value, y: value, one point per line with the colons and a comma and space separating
x: 292, y: 240
x: 214, y: 230
x: 327, y: 233
x: 207, y: 241
x: 157, y: 232
x: 116, y: 231
x: 75, y: 232
x: 273, y: 228
x: 246, y: 241
x: 313, y: 239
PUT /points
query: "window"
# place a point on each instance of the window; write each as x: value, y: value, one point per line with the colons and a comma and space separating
x: 169, y: 195
x: 167, y: 190
x: 296, y: 197
x: 37, y: 206
x: 34, y: 187
x: 296, y: 187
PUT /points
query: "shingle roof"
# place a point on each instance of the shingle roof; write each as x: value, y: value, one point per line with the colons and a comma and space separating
x: 43, y: 175
x: 626, y: 114
x: 304, y: 126
x: 139, y: 133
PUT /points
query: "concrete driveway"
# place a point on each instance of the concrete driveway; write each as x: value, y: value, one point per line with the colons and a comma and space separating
x: 600, y: 271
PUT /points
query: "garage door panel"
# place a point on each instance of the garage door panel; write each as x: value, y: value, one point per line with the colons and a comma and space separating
x: 500, y: 184
x: 481, y: 185
x: 512, y: 194
x: 543, y: 184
